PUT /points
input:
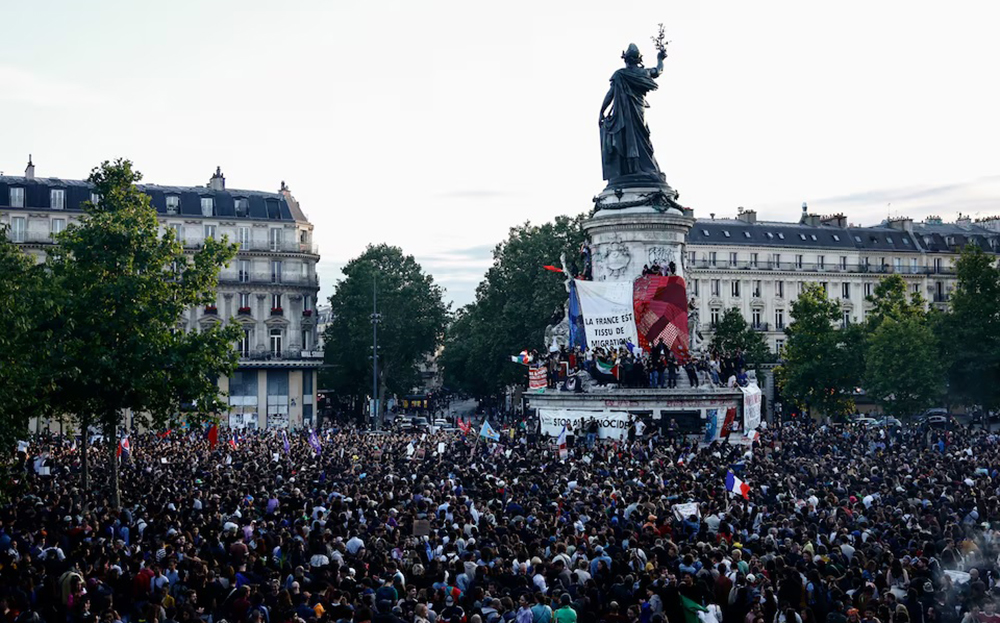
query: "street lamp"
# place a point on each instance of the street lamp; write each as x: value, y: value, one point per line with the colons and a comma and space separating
x: 375, y: 318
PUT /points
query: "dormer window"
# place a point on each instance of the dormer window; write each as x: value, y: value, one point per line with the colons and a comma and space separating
x: 802, y: 236
x: 704, y: 232
x: 781, y: 235
x: 16, y: 197
x: 57, y: 199
x: 207, y: 206
x: 725, y: 233
x: 812, y: 236
x: 746, y: 234
x: 242, y: 207
x: 173, y: 204
x: 836, y: 238
x: 889, y: 239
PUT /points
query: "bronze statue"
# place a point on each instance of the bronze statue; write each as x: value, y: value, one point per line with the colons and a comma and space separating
x: 626, y: 149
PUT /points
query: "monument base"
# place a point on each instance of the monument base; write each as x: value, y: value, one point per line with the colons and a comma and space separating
x: 622, y: 241
x: 693, y: 409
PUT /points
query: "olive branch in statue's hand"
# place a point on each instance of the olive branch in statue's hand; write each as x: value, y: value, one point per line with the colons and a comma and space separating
x: 660, y: 41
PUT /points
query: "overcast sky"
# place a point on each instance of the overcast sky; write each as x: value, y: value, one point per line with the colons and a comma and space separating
x: 436, y: 126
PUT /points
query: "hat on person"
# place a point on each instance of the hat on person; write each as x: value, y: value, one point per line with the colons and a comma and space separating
x: 449, y: 600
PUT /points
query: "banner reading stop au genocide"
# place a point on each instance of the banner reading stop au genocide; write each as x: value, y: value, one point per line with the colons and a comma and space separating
x: 610, y: 425
x: 608, y: 316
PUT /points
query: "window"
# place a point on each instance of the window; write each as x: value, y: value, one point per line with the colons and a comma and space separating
x: 826, y: 287
x: 178, y: 230
x: 802, y: 236
x: 821, y: 261
x: 244, y: 299
x: 173, y: 204
x: 753, y: 260
x: 305, y: 272
x: 57, y: 199
x: 802, y: 287
x: 704, y: 232
x: 57, y: 225
x: 843, y: 262
x: 798, y: 261
x: 868, y: 289
x: 937, y: 265
x: 276, y: 272
x: 306, y: 340
x: 242, y: 206
x: 756, y: 288
x: 694, y: 286
x: 746, y: 234
x: 275, y: 301
x: 846, y: 320
x: 243, y: 237
x: 246, y: 343
x: 914, y: 268
x: 732, y: 259
x: 306, y: 301
x: 17, y: 197
x: 845, y: 290
x: 207, y: 206
x: 95, y: 199
x: 778, y: 345
x: 812, y: 236
x: 18, y: 228
x: 779, y: 289
x: 777, y: 260
x: 244, y: 271
x: 716, y: 287
x: 692, y: 258
x: 836, y: 238
x: 735, y: 288
x: 277, y: 398
x: 712, y: 258
x: 713, y: 316
x: 779, y: 319
x: 897, y: 264
x: 781, y: 235
x: 915, y: 288
x: 275, y: 239
x: 725, y: 233
x: 209, y: 232
x: 275, y: 341
x: 889, y: 240
x: 755, y: 319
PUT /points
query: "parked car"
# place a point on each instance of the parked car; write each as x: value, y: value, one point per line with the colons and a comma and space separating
x: 935, y: 418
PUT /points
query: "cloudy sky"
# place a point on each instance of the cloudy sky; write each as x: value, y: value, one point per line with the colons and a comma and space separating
x: 436, y: 126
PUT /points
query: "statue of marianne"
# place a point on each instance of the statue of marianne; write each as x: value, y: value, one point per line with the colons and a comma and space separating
x: 626, y: 150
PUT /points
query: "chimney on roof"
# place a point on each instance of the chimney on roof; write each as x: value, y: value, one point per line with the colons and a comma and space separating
x: 747, y: 216
x: 284, y: 187
x: 901, y: 224
x: 963, y: 219
x: 29, y: 171
x: 218, y: 181
x: 835, y: 220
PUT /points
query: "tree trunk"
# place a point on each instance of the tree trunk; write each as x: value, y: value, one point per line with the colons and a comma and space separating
x: 111, y: 437
x: 84, y: 439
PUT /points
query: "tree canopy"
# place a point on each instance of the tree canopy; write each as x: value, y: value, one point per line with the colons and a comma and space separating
x: 822, y: 361
x: 122, y: 289
x: 514, y: 304
x: 413, y: 319
x: 734, y: 335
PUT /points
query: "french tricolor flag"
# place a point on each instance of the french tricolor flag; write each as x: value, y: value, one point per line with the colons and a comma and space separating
x: 736, y: 485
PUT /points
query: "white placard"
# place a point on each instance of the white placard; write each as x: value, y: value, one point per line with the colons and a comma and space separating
x: 751, y: 407
x: 608, y: 313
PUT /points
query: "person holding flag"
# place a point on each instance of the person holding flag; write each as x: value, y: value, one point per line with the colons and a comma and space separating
x: 284, y: 441
x: 735, y: 485
x: 314, y: 442
x: 212, y: 435
x: 561, y: 442
x: 124, y: 448
x: 489, y: 432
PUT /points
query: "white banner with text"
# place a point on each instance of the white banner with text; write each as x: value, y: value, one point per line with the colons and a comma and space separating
x: 608, y: 313
x: 610, y: 425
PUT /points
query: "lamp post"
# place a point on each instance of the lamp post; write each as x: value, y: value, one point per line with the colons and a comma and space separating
x: 375, y: 318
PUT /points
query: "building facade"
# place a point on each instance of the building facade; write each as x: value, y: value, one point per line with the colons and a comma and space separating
x: 270, y: 289
x: 761, y: 267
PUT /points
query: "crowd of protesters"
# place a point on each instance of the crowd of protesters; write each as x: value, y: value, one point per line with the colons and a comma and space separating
x: 661, y: 367
x: 841, y: 524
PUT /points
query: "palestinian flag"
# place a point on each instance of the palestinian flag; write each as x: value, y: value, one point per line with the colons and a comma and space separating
x: 691, y: 609
x: 606, y: 367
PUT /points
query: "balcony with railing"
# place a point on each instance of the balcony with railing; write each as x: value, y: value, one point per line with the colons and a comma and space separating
x: 763, y: 327
x: 281, y: 357
x: 267, y: 279
x: 820, y: 267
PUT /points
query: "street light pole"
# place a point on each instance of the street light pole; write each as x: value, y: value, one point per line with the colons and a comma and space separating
x: 375, y: 317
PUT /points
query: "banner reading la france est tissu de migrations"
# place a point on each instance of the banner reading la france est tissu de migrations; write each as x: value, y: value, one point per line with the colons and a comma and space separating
x: 608, y: 315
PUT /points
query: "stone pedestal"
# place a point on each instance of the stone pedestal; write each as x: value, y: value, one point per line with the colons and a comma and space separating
x: 629, y: 230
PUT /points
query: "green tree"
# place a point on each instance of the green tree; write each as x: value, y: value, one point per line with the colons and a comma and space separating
x: 514, y: 304
x: 822, y: 362
x: 413, y: 318
x: 971, y: 332
x: 25, y: 313
x: 123, y: 289
x: 733, y: 334
x: 902, y: 368
x: 890, y: 299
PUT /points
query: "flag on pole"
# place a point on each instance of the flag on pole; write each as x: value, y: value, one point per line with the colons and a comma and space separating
x: 561, y: 442
x: 232, y: 441
x: 212, y: 435
x: 554, y: 269
x: 465, y: 427
x: 735, y: 485
x: 314, y: 442
x: 489, y: 432
x: 754, y: 436
x: 124, y: 448
x: 284, y: 440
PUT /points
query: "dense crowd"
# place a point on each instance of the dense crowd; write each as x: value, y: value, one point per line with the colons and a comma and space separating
x: 840, y: 525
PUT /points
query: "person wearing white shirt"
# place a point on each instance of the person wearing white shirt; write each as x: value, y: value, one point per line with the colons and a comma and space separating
x: 354, y: 544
